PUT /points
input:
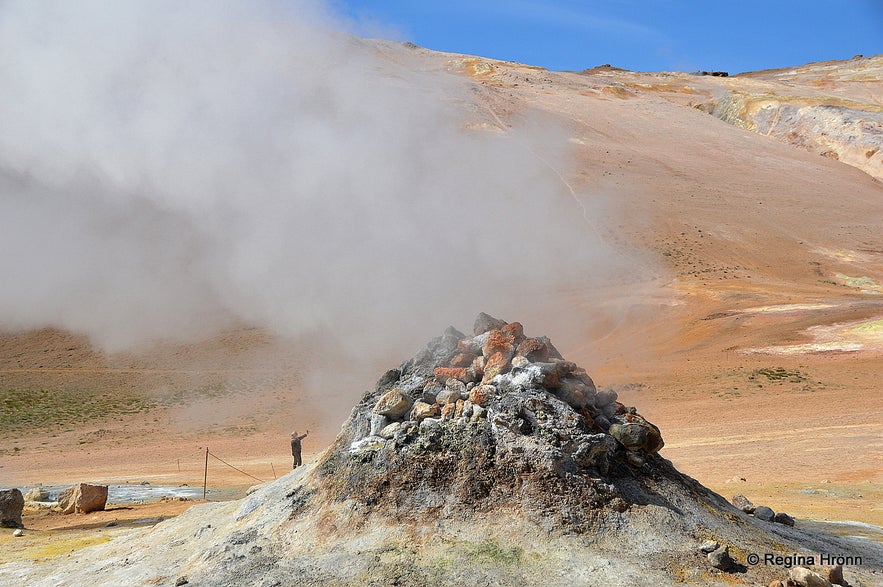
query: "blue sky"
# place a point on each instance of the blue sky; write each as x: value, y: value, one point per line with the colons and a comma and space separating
x: 643, y: 35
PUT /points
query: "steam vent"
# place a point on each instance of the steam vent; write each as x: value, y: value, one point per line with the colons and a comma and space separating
x: 473, y: 423
x: 483, y: 460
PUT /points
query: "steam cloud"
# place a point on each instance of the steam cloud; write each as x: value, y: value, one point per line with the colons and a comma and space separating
x: 170, y: 169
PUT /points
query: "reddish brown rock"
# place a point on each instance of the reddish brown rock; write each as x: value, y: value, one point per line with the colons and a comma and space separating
x: 533, y: 350
x: 442, y: 374
x: 462, y: 360
x: 515, y: 330
x: 499, y: 342
x: 458, y: 408
x: 448, y: 410
x: 480, y: 394
x: 494, y: 365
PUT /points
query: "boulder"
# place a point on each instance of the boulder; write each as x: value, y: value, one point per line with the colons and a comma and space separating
x: 12, y: 502
x: 515, y: 330
x: 764, y: 513
x: 83, y: 498
x: 447, y: 396
x: 448, y: 411
x: 442, y: 374
x: 720, y: 559
x: 635, y: 433
x: 709, y: 546
x: 485, y: 322
x: 574, y: 393
x: 494, y: 365
x: 480, y: 394
x: 462, y: 360
x: 550, y: 377
x: 783, y: 518
x: 393, y: 404
x: 431, y: 391
x: 390, y: 430
x: 423, y: 410
x: 605, y: 398
x: 743, y: 503
x: 499, y: 342
x: 533, y: 350
x: 835, y: 574
x: 804, y: 577
x: 37, y: 494
x: 592, y: 449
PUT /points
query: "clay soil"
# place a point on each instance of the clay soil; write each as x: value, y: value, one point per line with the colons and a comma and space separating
x: 749, y: 253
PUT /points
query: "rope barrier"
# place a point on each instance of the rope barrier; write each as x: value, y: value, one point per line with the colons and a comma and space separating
x: 232, y: 467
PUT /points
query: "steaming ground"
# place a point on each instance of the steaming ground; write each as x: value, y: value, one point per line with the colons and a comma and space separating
x: 193, y: 167
x: 250, y: 246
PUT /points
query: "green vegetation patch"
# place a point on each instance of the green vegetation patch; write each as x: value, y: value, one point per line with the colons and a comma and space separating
x: 41, y: 409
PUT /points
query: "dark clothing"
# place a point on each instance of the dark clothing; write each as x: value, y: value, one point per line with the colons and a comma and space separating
x: 296, y: 449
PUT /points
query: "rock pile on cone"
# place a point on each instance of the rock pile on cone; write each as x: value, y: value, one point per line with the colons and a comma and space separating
x: 470, y: 419
x: 498, y: 359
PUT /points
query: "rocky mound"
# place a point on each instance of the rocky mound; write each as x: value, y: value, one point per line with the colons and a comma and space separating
x: 486, y: 459
x: 489, y: 421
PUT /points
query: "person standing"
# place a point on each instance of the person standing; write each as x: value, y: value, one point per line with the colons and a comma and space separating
x: 296, y: 448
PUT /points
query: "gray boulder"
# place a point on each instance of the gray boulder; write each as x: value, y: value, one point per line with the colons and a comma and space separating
x: 783, y: 518
x: 485, y: 322
x: 720, y: 559
x: 12, y: 502
x: 635, y: 433
x: 764, y: 513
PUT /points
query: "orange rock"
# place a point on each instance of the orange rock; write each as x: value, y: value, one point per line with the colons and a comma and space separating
x: 448, y: 410
x: 442, y: 374
x: 499, y: 342
x: 515, y: 330
x: 462, y: 360
x: 458, y: 408
x: 481, y: 394
x: 494, y: 365
x: 533, y: 350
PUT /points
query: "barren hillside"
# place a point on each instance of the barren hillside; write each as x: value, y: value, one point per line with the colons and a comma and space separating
x: 753, y: 337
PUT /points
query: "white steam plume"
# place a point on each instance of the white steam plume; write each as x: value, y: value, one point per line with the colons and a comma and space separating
x: 169, y: 169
